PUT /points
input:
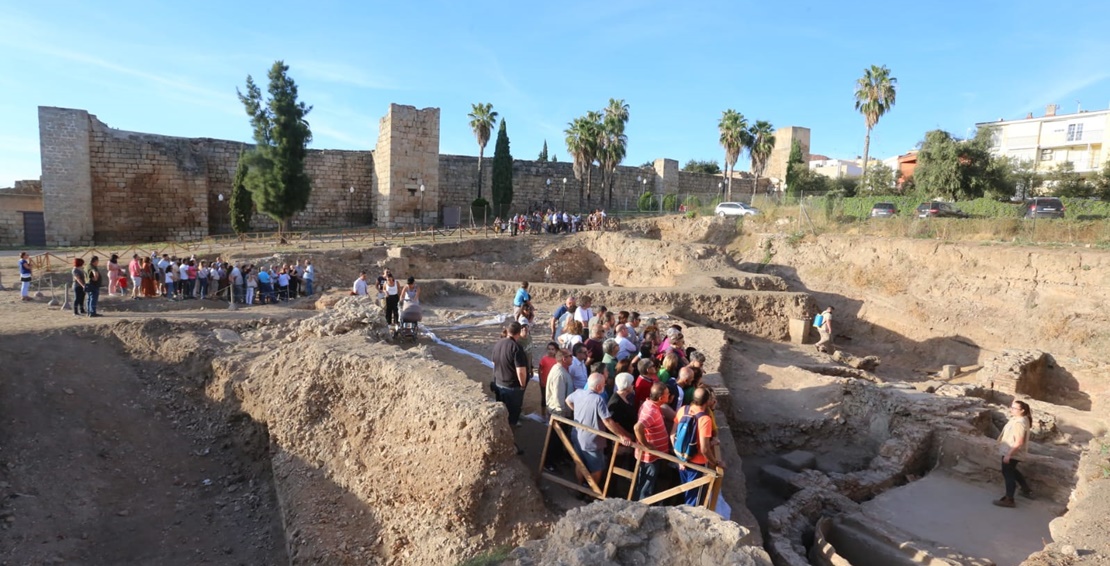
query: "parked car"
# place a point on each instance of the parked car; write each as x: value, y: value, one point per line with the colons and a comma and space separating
x: 735, y: 209
x: 937, y: 209
x: 884, y: 210
x: 1044, y: 207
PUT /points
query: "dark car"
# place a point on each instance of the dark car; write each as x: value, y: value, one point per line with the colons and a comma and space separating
x: 937, y: 209
x: 1044, y: 207
x: 884, y: 210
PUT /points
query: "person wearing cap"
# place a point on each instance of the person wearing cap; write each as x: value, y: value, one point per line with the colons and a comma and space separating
x: 510, y: 371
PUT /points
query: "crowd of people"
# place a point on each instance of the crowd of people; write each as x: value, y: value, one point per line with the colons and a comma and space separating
x: 180, y: 279
x: 549, y: 222
x: 613, y: 372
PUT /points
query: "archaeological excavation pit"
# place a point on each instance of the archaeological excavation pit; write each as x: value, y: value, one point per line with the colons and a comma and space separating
x: 335, y: 434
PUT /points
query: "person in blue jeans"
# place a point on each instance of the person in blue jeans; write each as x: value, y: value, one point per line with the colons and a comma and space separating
x: 521, y: 298
x: 265, y: 286
x: 309, y: 276
x: 708, y: 453
x: 92, y: 286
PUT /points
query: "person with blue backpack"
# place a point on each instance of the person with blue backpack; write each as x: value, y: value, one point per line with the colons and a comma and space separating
x: 823, y: 323
x: 695, y: 441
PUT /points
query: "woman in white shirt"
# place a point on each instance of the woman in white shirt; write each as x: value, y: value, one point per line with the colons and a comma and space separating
x: 392, y: 291
x: 584, y: 313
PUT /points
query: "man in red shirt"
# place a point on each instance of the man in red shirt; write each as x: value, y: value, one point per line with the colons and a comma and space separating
x: 701, y: 408
x: 651, y: 432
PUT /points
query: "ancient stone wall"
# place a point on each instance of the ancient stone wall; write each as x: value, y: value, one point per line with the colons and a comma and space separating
x: 12, y: 207
x: 459, y: 177
x: 148, y: 187
x: 66, y: 176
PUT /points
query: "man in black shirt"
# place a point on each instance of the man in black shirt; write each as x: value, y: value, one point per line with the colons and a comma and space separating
x: 510, y: 371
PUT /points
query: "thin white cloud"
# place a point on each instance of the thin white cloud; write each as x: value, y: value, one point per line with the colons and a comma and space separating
x: 341, y: 73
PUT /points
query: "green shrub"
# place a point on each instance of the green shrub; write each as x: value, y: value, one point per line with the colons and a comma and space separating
x: 670, y: 202
x: 647, y: 203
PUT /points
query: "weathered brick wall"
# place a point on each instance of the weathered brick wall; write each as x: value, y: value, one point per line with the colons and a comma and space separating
x: 148, y: 187
x: 66, y: 177
x: 107, y: 185
x: 459, y: 182
x: 12, y: 206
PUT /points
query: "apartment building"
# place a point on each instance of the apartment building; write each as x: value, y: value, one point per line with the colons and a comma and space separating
x: 1054, y: 138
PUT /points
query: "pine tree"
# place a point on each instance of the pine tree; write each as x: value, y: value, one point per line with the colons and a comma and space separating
x: 502, y: 188
x: 276, y: 175
x: 543, y: 153
x: 240, y: 203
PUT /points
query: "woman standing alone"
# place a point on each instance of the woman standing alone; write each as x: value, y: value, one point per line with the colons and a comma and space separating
x: 1013, y: 444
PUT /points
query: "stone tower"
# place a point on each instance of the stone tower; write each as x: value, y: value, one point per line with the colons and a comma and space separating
x: 406, y: 157
x: 780, y: 156
x: 66, y: 176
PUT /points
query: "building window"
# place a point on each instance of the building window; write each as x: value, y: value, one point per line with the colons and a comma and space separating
x: 1075, y: 132
x: 1046, y: 155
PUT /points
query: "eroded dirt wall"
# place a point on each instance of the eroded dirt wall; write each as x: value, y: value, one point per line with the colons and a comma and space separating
x: 761, y: 313
x: 954, y: 303
x: 429, y: 459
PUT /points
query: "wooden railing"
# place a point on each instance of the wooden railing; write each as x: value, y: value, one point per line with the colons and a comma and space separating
x: 710, y: 477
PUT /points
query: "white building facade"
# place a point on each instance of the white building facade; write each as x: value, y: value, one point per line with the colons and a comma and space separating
x: 1053, y: 139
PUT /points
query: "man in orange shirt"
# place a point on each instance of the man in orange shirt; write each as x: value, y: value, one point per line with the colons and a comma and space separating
x: 701, y: 408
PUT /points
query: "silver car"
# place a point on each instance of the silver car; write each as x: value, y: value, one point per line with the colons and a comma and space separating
x: 735, y: 209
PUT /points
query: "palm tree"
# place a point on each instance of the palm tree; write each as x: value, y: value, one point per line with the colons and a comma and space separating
x: 761, y: 142
x: 482, y: 119
x: 734, y: 136
x: 614, y: 144
x: 577, y: 133
x: 875, y: 92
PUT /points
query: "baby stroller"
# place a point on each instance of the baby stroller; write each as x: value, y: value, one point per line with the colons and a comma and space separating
x: 411, y: 316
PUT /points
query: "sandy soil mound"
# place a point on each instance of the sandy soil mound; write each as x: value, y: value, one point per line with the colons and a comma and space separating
x: 616, y: 532
x: 429, y: 460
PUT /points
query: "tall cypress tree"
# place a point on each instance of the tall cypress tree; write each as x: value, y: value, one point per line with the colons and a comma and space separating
x: 543, y: 153
x: 240, y: 204
x: 502, y: 173
x: 276, y: 176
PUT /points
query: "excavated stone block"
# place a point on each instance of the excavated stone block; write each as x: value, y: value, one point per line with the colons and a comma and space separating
x: 798, y: 460
x: 779, y: 479
x: 799, y: 331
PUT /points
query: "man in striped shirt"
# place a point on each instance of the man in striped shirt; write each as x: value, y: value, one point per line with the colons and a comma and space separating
x: 651, y: 431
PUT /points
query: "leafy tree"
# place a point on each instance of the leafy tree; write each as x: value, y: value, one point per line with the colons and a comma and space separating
x: 879, y: 179
x: 240, y: 202
x: 959, y: 169
x: 275, y: 173
x: 1065, y: 182
x: 1101, y: 183
x: 613, y: 144
x: 502, y: 188
x: 761, y: 142
x: 482, y: 119
x: 845, y: 187
x: 543, y: 153
x: 733, y: 128
x: 875, y: 93
x: 795, y: 167
x: 808, y: 182
x: 707, y: 166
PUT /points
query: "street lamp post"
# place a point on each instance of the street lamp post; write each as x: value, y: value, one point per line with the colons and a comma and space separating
x: 421, y: 206
x: 351, y: 205
x: 563, y: 199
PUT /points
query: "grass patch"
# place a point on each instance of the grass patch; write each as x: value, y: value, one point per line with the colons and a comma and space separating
x: 1088, y: 222
x: 489, y: 558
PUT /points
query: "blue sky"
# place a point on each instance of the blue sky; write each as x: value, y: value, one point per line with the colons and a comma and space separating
x: 172, y: 67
